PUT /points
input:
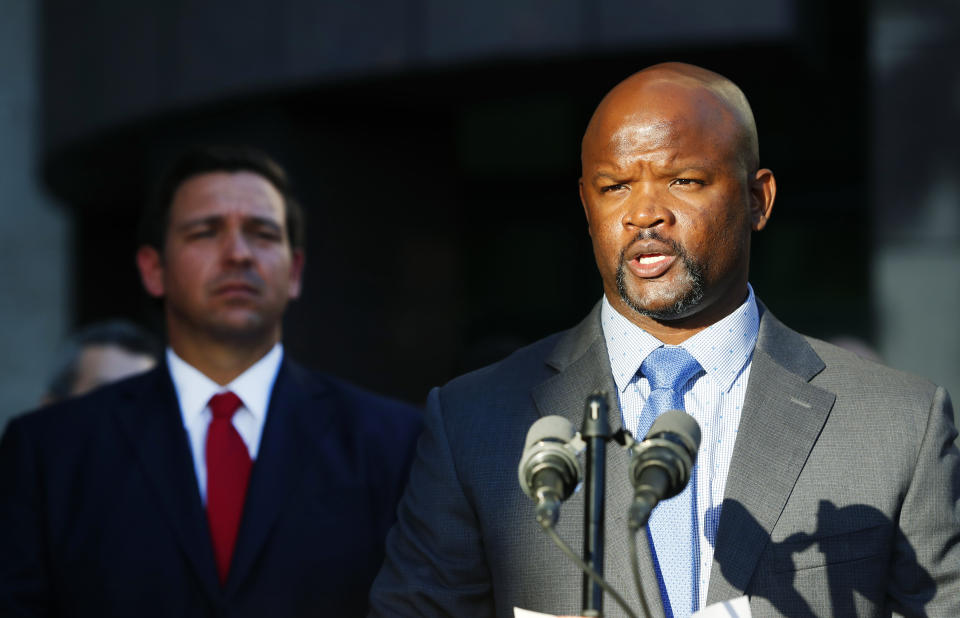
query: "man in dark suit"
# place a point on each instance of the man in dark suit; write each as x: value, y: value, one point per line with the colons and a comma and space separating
x: 229, y: 481
x: 824, y: 484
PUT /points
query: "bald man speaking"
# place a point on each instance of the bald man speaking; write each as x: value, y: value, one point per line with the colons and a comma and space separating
x: 825, y: 484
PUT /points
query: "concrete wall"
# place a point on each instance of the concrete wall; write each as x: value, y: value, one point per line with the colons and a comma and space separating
x: 916, y: 162
x: 34, y: 232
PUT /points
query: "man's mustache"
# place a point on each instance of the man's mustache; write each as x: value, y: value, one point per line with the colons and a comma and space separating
x: 650, y: 234
x: 246, y: 277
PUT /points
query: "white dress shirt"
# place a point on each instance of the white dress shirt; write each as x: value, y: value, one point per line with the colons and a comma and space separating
x: 714, y: 398
x: 194, y: 391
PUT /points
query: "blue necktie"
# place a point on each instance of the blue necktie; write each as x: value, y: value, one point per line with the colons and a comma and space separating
x: 672, y: 526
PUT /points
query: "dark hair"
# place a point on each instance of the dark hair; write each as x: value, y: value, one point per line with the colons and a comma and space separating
x: 120, y: 333
x: 205, y: 159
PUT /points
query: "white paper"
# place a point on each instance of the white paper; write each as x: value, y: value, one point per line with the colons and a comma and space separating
x: 526, y: 613
x: 734, y: 608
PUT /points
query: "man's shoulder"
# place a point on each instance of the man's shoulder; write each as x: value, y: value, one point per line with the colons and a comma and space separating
x: 508, y: 382
x: 512, y: 376
x: 846, y: 370
x: 348, y: 397
x: 834, y: 367
x: 66, y: 429
x: 865, y: 391
x: 75, y: 413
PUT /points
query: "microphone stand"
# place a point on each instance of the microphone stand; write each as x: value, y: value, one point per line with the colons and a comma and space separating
x: 596, y: 432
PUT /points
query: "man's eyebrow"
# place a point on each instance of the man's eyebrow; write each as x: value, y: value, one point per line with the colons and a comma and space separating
x: 208, y: 220
x: 676, y: 165
x: 266, y: 221
x: 703, y: 169
x: 609, y: 175
x: 217, y: 219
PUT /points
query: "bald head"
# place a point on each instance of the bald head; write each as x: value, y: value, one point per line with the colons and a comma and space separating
x: 672, y: 194
x: 684, y: 95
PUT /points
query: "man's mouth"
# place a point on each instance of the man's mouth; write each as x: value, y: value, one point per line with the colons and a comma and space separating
x: 235, y: 289
x: 651, y: 259
x: 650, y: 265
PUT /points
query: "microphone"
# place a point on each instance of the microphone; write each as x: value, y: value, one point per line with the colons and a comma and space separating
x: 549, y: 470
x: 660, y: 466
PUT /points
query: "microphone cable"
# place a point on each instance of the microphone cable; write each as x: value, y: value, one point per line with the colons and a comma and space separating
x: 635, y: 568
x: 596, y: 577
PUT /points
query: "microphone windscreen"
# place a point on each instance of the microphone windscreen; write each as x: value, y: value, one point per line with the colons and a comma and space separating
x: 551, y: 428
x: 679, y: 423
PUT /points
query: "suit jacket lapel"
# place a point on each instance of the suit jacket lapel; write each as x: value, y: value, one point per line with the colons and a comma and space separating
x: 581, y: 359
x: 782, y: 418
x: 292, y: 428
x: 152, y: 423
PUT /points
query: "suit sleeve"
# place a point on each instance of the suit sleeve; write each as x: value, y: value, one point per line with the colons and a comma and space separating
x: 435, y: 563
x: 926, y: 569
x: 23, y: 577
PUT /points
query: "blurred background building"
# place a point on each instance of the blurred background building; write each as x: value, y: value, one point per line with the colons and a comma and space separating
x: 435, y: 144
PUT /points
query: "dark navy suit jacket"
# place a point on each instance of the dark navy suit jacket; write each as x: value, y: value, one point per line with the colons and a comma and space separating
x: 100, y: 514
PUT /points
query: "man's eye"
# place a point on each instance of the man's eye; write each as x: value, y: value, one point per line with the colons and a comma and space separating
x: 267, y: 234
x: 688, y: 181
x: 614, y: 187
x: 201, y: 233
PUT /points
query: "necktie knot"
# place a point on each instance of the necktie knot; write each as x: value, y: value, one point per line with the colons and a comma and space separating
x: 223, y: 405
x: 669, y: 368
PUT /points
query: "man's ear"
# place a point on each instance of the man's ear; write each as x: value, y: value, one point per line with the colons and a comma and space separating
x: 763, y: 190
x: 150, y: 265
x: 298, y: 259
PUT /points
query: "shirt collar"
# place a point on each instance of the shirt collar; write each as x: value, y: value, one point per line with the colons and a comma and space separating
x: 723, y: 349
x: 253, y: 386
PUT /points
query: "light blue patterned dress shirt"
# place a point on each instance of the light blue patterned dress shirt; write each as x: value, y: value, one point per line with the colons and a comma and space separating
x: 714, y: 398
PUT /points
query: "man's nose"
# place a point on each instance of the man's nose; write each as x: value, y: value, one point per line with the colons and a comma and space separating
x: 237, y: 246
x: 647, y: 208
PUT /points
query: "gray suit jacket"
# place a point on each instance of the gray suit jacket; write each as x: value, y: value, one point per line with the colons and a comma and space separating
x: 842, y: 497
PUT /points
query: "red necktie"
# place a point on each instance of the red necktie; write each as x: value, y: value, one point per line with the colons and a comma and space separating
x: 228, y: 470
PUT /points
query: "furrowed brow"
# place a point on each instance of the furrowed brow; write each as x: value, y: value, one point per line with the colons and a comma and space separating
x: 605, y: 175
x: 264, y: 222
